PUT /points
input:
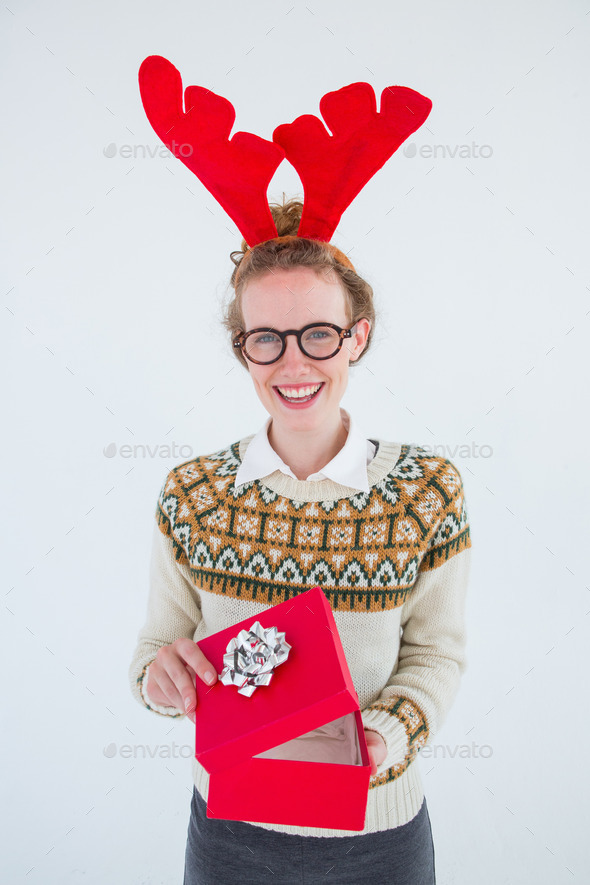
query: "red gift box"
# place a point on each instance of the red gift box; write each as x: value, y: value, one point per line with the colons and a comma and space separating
x: 242, y: 741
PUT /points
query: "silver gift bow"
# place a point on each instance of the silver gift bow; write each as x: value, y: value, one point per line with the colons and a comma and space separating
x: 251, y: 657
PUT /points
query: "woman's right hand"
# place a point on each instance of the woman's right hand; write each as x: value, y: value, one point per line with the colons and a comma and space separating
x: 172, y: 674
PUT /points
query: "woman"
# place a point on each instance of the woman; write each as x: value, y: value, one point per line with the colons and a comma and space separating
x: 382, y: 527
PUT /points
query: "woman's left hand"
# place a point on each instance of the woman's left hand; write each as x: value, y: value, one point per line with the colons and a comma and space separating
x: 377, y: 749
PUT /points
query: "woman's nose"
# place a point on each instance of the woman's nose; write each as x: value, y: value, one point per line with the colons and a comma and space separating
x: 293, y: 357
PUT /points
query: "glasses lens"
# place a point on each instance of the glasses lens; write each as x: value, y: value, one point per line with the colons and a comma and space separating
x: 263, y: 346
x: 320, y: 341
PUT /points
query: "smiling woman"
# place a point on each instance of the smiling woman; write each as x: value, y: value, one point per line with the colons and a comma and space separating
x: 382, y: 527
x: 308, y: 500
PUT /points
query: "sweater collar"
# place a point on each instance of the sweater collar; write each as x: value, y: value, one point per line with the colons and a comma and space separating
x: 301, y: 490
x: 347, y: 468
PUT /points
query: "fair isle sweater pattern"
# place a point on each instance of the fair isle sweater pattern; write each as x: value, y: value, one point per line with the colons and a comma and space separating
x: 363, y: 551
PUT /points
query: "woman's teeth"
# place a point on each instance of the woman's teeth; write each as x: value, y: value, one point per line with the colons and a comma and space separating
x: 299, y: 394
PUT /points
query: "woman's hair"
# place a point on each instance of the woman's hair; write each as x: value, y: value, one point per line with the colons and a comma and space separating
x: 299, y: 252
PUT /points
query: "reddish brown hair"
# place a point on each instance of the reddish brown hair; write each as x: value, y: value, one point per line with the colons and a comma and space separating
x: 286, y: 254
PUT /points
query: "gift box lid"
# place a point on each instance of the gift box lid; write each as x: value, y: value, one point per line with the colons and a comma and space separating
x: 312, y: 687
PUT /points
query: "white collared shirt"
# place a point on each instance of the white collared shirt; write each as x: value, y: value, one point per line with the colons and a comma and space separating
x: 348, y: 467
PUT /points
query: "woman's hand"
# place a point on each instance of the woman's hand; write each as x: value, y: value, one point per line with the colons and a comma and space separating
x: 377, y: 749
x: 172, y: 674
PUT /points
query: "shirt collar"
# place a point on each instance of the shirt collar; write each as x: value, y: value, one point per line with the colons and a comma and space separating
x: 348, y: 467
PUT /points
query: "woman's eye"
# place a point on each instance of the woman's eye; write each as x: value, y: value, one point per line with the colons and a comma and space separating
x: 265, y: 339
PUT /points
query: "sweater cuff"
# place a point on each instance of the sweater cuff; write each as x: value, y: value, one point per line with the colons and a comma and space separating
x: 403, y: 728
x: 172, y: 712
x: 393, y: 733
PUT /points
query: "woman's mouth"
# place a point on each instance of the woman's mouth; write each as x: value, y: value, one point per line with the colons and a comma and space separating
x: 299, y: 396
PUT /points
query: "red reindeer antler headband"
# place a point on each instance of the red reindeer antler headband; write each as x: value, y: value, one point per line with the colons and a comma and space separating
x: 333, y: 166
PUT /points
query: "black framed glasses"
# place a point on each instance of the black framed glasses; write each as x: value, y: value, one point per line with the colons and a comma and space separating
x: 318, y: 341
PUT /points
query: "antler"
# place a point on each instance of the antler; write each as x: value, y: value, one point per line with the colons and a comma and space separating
x: 237, y: 172
x: 334, y: 168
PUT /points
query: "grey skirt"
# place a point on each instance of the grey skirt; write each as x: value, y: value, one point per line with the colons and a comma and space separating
x: 228, y: 852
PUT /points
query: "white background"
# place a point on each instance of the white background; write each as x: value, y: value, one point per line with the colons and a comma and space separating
x: 113, y: 278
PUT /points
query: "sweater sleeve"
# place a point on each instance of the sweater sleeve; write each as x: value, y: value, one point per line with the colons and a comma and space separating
x: 173, y: 611
x: 416, y: 699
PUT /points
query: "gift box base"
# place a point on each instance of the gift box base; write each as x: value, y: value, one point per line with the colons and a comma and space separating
x: 293, y: 792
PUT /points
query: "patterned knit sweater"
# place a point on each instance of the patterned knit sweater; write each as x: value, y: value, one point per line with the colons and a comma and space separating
x: 394, y: 564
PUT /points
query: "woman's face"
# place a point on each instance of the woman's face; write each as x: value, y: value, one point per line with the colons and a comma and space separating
x: 291, y: 299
